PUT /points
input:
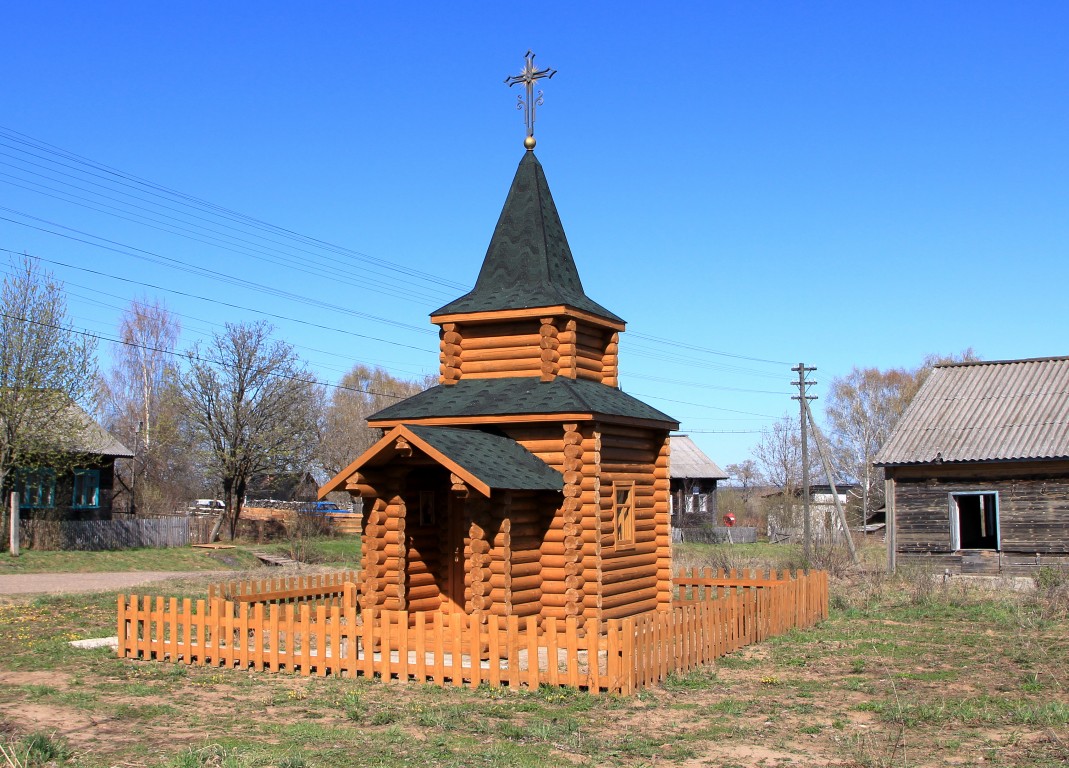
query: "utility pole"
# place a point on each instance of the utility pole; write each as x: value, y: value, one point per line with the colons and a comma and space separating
x: 801, y: 397
x: 821, y: 449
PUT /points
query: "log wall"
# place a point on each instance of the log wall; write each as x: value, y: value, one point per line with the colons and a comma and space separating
x: 527, y: 553
x: 631, y: 574
x: 544, y: 347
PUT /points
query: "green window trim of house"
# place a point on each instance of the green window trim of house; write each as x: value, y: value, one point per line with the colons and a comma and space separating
x: 37, y: 488
x: 86, y: 493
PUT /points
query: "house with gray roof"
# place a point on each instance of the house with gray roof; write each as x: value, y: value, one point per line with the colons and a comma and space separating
x: 978, y: 469
x: 693, y: 481
x: 76, y: 482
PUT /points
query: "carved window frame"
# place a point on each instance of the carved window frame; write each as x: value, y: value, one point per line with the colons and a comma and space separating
x: 623, y: 513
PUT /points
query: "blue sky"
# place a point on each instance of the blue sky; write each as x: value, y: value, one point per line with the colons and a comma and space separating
x: 760, y: 184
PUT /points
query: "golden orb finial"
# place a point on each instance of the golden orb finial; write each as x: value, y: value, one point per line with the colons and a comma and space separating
x: 529, y: 142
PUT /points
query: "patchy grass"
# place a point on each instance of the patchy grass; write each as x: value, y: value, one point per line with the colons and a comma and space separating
x: 900, y: 675
x: 148, y: 559
x: 340, y: 552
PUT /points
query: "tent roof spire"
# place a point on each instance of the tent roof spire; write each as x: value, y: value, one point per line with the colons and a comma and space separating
x: 529, y: 263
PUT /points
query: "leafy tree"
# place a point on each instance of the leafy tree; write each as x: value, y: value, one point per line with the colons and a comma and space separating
x: 251, y: 407
x: 46, y: 367
x: 360, y: 393
x: 140, y: 403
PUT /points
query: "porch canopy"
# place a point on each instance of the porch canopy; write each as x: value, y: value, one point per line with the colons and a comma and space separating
x: 480, y: 460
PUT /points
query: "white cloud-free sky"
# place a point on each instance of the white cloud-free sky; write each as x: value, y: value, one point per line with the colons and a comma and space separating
x: 761, y: 184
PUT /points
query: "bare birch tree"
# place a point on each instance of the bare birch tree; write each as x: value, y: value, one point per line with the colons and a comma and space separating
x: 46, y: 367
x: 862, y: 409
x: 779, y: 461
x: 140, y: 404
x: 252, y: 407
x: 361, y: 392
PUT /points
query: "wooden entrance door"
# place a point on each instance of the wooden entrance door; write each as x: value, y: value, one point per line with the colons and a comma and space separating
x: 456, y: 564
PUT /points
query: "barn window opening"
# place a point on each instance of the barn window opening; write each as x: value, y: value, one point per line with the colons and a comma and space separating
x: 974, y: 520
x: 624, y: 513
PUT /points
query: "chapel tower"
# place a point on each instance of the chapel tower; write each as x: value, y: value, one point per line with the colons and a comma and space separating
x: 527, y: 482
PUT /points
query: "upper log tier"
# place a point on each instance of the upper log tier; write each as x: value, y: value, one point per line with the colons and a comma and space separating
x: 543, y: 347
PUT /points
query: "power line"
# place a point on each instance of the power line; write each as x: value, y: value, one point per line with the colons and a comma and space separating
x: 706, y: 350
x: 154, y: 190
x: 145, y: 187
x: 200, y: 271
x: 190, y: 356
x: 704, y: 405
x: 704, y: 386
x: 284, y: 260
x: 217, y: 301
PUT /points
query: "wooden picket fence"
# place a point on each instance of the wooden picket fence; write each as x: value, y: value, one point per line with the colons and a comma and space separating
x: 336, y: 588
x: 715, y: 615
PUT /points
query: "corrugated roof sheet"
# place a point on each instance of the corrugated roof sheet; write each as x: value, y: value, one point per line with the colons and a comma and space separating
x: 518, y: 396
x: 689, y: 462
x: 497, y: 461
x: 1001, y: 410
x: 90, y: 437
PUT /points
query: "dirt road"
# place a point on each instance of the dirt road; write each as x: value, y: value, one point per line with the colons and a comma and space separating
x: 59, y: 583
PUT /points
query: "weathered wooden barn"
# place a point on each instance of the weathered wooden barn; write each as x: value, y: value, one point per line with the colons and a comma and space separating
x: 526, y: 483
x: 694, y: 479
x: 978, y: 469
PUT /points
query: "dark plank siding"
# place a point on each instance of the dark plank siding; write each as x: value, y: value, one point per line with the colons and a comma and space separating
x: 1033, y: 512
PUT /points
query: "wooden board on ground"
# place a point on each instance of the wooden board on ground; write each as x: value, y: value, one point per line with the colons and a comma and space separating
x: 279, y: 560
x: 214, y: 545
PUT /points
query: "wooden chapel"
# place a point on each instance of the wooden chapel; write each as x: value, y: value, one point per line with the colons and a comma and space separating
x: 526, y: 482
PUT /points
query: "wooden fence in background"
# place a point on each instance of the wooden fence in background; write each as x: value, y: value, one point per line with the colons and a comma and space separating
x: 717, y: 613
x: 118, y: 533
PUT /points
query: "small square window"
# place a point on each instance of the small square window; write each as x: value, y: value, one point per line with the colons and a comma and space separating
x: 426, y: 508
x: 624, y: 513
x: 86, y: 489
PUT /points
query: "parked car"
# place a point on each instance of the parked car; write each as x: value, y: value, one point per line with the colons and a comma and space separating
x: 323, y: 508
x: 206, y: 506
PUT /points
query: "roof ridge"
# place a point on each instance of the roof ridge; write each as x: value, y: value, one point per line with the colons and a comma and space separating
x: 966, y: 364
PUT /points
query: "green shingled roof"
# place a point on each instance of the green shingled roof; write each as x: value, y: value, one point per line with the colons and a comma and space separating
x: 528, y: 263
x: 497, y: 461
x: 521, y: 396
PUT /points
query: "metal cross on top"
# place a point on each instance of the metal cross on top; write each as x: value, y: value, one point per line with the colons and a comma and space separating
x: 528, y: 77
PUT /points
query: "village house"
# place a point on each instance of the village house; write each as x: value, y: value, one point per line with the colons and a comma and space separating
x: 978, y: 469
x: 785, y: 512
x: 526, y: 483
x: 694, y: 479
x: 77, y: 483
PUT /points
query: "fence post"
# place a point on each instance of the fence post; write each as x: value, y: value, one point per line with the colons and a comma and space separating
x: 14, y: 524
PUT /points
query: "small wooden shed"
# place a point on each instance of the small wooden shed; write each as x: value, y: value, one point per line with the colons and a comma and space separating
x: 978, y: 469
x: 527, y: 482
